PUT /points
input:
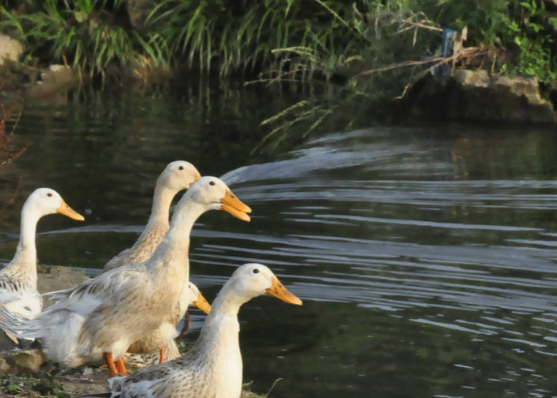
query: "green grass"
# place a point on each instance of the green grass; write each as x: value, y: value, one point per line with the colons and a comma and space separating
x: 32, y: 387
x: 85, y: 34
x: 376, y: 50
x: 283, y: 39
x: 372, y: 50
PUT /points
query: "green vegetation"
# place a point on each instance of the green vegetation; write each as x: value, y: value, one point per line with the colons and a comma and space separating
x: 302, y: 39
x: 87, y: 33
x: 379, y: 49
x: 32, y: 387
x: 376, y: 49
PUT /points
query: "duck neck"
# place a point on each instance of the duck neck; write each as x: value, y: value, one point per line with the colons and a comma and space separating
x: 174, y: 247
x: 219, y: 338
x: 158, y: 221
x: 24, y: 262
x: 161, y: 205
x: 228, y: 302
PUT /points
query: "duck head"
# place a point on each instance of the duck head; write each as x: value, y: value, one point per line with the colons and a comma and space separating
x: 45, y: 201
x: 252, y: 280
x: 178, y: 175
x: 196, y: 299
x: 213, y: 194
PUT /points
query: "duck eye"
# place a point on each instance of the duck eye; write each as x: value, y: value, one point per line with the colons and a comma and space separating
x: 181, y: 168
x: 255, y: 270
x: 49, y: 194
x: 212, y: 183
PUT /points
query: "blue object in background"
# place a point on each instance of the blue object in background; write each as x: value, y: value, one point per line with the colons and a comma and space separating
x: 447, y: 42
x: 446, y: 51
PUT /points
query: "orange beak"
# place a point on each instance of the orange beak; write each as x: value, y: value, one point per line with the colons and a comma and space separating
x: 69, y: 212
x: 195, y: 178
x: 280, y: 292
x: 202, y: 304
x: 234, y: 206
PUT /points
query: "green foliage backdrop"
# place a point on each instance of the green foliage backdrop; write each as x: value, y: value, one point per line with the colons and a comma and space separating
x: 301, y: 39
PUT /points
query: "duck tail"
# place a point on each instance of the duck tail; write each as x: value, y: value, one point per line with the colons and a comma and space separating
x: 13, y: 324
x: 60, y: 336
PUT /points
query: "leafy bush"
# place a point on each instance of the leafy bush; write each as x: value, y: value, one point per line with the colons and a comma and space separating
x: 382, y: 47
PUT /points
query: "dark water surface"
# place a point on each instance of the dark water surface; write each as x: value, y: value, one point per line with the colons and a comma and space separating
x: 425, y: 256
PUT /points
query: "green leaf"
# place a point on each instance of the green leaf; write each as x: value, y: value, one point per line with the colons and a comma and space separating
x: 80, y: 16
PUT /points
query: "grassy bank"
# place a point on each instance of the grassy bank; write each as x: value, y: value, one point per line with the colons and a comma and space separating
x: 372, y: 51
x: 285, y: 39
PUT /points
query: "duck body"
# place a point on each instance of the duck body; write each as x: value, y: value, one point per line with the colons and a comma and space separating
x: 140, y: 361
x: 175, y: 177
x: 163, y: 337
x: 213, y: 368
x: 165, y: 333
x: 103, y: 316
x: 18, y: 280
x: 21, y: 299
x: 20, y: 296
x: 106, y: 316
x: 198, y: 373
x: 142, y: 249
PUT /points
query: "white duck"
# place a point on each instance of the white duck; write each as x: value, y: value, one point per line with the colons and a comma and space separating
x: 213, y: 368
x: 104, y: 316
x: 151, y: 349
x: 177, y: 176
x: 18, y: 280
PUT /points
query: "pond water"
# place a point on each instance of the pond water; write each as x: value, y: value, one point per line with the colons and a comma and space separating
x: 425, y: 256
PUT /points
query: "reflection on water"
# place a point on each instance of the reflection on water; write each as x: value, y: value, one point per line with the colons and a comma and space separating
x: 425, y: 257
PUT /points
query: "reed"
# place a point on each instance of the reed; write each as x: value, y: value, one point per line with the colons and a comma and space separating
x: 366, y: 49
x: 233, y: 36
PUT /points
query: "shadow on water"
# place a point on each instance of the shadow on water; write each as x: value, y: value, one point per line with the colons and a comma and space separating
x: 425, y: 256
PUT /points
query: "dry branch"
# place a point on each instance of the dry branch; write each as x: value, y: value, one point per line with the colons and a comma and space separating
x: 7, y: 155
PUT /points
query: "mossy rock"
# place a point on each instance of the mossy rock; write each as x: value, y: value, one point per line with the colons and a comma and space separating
x: 23, y: 361
x: 477, y: 97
